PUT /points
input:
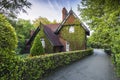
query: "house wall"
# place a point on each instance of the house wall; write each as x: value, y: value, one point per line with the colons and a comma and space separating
x: 77, y: 40
x: 48, y: 46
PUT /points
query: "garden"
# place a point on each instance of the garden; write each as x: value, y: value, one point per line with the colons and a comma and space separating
x: 101, y: 16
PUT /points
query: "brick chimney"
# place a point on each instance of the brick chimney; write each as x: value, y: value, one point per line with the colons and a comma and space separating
x: 64, y: 13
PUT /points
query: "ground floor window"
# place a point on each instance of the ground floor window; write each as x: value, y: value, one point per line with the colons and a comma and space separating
x: 67, y: 46
x: 43, y: 42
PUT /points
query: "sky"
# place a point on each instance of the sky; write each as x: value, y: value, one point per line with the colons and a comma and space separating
x: 50, y: 9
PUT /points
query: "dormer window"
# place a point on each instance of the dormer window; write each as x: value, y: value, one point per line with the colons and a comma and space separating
x: 71, y: 29
x: 43, y: 42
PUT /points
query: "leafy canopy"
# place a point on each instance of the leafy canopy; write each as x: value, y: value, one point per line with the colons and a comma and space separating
x: 103, y: 18
x: 13, y: 7
x: 43, y: 20
x: 23, y: 28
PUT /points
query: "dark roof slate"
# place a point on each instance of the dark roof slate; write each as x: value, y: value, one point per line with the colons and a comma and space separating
x: 49, y: 31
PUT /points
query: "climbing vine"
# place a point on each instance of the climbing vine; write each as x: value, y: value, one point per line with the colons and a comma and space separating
x: 75, y: 39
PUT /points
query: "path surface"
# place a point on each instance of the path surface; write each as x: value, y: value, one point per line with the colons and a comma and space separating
x: 95, y: 67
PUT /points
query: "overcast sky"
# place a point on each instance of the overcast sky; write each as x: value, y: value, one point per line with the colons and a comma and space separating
x: 51, y: 9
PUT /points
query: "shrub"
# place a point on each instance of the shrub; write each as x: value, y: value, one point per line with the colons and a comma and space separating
x: 37, y: 48
x: 36, y: 66
x: 8, y: 43
x: 9, y: 66
x: 117, y: 65
x: 8, y: 39
x: 33, y: 68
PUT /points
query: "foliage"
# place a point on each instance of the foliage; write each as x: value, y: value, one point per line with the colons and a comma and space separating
x: 22, y: 28
x: 39, y: 20
x: 8, y: 43
x: 13, y: 7
x: 118, y: 64
x: 33, y: 68
x: 104, y: 19
x: 9, y: 66
x: 8, y: 39
x: 37, y: 48
x: 91, y: 43
x: 43, y: 20
x: 77, y: 39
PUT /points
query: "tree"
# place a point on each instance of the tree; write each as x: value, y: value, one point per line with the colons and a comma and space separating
x: 43, y: 20
x: 104, y: 18
x: 37, y: 48
x: 8, y: 39
x: 54, y: 21
x: 23, y: 28
x: 13, y: 7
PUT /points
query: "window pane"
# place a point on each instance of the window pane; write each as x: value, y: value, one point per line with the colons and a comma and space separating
x: 71, y: 29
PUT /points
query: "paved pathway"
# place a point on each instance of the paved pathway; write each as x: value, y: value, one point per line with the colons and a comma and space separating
x: 95, y: 67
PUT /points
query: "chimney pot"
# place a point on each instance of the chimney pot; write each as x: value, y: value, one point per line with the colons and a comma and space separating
x: 64, y: 13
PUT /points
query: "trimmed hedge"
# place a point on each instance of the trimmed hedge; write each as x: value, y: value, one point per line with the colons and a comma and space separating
x: 8, y: 38
x: 117, y: 64
x: 37, y: 48
x: 9, y: 66
x: 33, y: 68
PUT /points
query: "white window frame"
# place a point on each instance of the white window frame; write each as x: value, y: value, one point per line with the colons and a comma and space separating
x: 67, y: 46
x: 71, y: 29
x: 43, y: 42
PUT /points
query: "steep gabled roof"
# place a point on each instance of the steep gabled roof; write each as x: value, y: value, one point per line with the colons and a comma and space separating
x: 49, y: 32
x: 34, y: 35
x: 65, y: 19
x: 53, y: 38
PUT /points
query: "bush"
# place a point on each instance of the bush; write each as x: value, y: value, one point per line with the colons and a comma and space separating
x: 117, y: 64
x: 36, y: 66
x: 8, y: 39
x: 37, y: 48
x: 9, y: 66
x: 98, y: 45
x: 33, y: 68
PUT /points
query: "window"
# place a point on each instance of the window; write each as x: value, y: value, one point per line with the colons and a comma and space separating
x: 71, y: 29
x: 67, y: 46
x: 43, y: 42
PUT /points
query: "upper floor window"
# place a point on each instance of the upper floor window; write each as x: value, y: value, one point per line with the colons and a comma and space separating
x: 71, y: 29
x: 43, y: 42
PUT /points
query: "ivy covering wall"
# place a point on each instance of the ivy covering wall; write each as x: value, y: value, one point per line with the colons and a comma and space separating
x: 48, y: 47
x: 77, y: 40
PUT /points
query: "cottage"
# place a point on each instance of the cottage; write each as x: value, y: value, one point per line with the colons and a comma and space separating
x: 69, y: 35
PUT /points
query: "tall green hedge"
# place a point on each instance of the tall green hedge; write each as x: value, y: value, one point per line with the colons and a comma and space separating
x: 39, y: 65
x: 8, y: 44
x: 117, y: 64
x: 37, y: 48
x: 33, y: 68
x: 8, y: 39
